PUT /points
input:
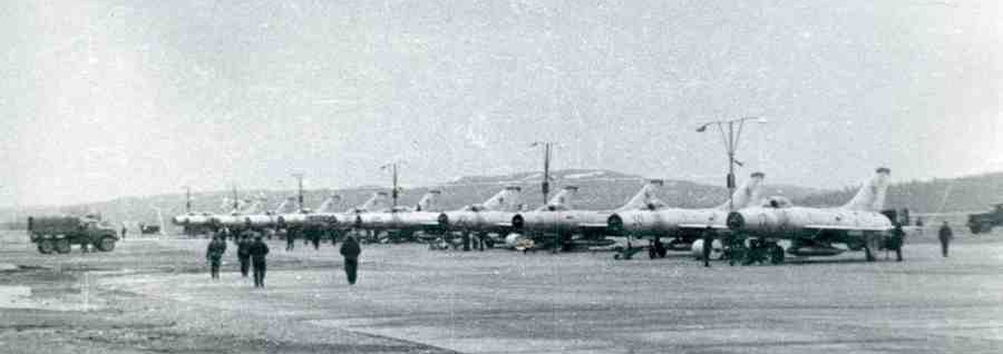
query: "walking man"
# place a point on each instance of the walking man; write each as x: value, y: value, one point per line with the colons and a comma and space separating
x: 214, y: 255
x: 244, y: 254
x: 258, y: 251
x: 350, y: 250
x: 290, y: 240
x: 945, y: 235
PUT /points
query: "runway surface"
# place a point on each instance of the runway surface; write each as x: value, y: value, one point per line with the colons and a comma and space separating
x: 155, y: 295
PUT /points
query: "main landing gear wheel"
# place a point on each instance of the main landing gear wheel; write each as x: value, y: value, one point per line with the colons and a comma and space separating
x: 63, y: 245
x: 46, y: 246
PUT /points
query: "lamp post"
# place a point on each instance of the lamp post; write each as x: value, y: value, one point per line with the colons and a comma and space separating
x: 731, y: 132
x: 395, y: 193
x: 299, y: 179
x: 547, y: 149
x: 188, y: 199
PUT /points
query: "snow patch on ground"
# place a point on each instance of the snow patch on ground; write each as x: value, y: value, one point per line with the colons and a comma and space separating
x: 585, y: 175
x: 533, y: 176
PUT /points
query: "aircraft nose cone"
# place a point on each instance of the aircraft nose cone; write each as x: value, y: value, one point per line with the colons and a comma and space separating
x: 735, y: 220
x: 443, y: 220
x: 518, y: 222
x: 614, y: 223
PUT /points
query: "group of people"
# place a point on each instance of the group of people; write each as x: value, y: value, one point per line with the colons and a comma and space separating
x: 251, y: 254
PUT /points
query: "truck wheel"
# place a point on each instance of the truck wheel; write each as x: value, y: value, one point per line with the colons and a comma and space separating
x: 63, y: 245
x: 106, y: 244
x: 46, y: 246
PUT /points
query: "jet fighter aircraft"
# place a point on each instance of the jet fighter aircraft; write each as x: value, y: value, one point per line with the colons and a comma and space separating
x: 402, y: 223
x: 494, y: 216
x: 558, y: 223
x: 682, y: 226
x: 860, y: 225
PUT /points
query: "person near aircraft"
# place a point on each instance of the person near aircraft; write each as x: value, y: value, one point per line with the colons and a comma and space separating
x: 124, y: 231
x: 896, y: 241
x: 350, y: 250
x: 214, y: 254
x: 315, y: 238
x: 290, y: 240
x: 945, y: 235
x: 244, y: 254
x: 258, y: 251
x: 708, y: 241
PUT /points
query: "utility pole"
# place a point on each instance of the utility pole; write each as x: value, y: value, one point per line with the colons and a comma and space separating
x: 188, y: 199
x: 299, y: 178
x: 236, y: 202
x: 547, y: 150
x: 730, y: 135
x: 395, y: 192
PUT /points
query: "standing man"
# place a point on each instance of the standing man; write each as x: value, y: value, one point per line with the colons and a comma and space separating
x: 244, y: 254
x: 945, y: 235
x: 708, y: 240
x: 214, y: 254
x: 258, y: 251
x: 350, y: 250
x: 124, y: 230
x: 898, y: 239
x: 315, y: 238
x: 290, y: 240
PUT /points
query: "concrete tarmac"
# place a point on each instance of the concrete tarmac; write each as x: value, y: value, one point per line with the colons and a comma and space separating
x: 410, y: 299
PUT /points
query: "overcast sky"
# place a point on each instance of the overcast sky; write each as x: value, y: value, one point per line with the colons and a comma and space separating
x: 103, y: 99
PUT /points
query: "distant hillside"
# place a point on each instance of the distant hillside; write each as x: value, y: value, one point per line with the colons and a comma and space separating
x: 598, y: 190
x: 971, y: 193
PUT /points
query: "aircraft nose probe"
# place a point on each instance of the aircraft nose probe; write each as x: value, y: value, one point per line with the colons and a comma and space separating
x: 735, y: 221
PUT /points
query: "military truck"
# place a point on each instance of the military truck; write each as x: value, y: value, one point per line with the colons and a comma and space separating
x: 59, y: 233
x: 984, y: 222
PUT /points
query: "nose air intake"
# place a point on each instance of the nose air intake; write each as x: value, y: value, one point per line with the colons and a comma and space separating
x: 518, y: 222
x: 443, y: 220
x: 735, y: 221
x: 614, y: 223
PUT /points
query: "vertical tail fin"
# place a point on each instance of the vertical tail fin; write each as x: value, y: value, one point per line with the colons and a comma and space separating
x: 378, y: 201
x: 561, y: 200
x: 507, y: 199
x: 429, y: 201
x: 646, y: 198
x: 871, y: 196
x: 286, y: 206
x: 253, y: 207
x: 749, y: 193
x: 327, y: 206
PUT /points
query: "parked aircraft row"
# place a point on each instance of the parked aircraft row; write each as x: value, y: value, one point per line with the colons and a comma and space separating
x: 748, y: 221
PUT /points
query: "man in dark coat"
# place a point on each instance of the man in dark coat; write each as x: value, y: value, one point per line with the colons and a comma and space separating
x: 708, y: 244
x: 244, y: 254
x: 897, y: 240
x: 258, y: 251
x: 290, y: 240
x: 945, y: 235
x: 214, y: 255
x: 350, y: 250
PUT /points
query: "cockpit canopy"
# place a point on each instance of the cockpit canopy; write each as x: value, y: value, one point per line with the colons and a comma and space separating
x: 777, y: 202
